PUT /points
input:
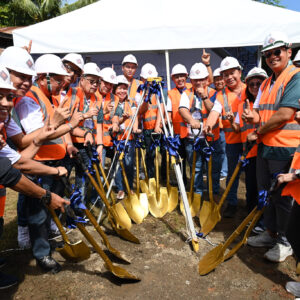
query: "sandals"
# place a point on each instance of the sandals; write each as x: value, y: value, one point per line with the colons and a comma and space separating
x: 121, y: 195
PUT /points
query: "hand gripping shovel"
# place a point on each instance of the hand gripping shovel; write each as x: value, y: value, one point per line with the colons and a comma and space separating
x: 71, y: 252
x: 214, y: 215
x: 217, y: 255
x: 112, y: 214
x: 115, y: 270
x: 92, y: 219
x: 172, y: 190
x: 158, y: 205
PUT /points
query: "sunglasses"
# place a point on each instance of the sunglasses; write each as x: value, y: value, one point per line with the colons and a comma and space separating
x: 254, y: 84
x: 59, y: 82
x: 70, y: 69
x: 92, y: 81
x: 276, y: 52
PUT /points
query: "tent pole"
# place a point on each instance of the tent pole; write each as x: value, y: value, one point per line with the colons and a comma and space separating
x: 168, y: 69
x: 259, y: 61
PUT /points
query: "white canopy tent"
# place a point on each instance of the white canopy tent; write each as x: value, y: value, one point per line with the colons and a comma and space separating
x: 141, y: 25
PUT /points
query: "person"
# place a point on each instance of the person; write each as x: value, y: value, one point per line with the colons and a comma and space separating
x: 128, y: 110
x: 13, y: 178
x: 253, y: 81
x: 88, y: 131
x: 37, y: 105
x: 274, y: 109
x: 151, y: 119
x: 296, y: 59
x: 226, y: 105
x: 179, y: 76
x: 194, y: 107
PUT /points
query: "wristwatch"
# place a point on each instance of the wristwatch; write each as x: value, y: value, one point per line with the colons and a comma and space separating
x: 297, y: 173
x: 47, y: 198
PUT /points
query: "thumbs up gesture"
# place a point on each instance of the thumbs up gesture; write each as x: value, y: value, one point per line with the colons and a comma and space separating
x: 205, y: 57
x: 247, y: 114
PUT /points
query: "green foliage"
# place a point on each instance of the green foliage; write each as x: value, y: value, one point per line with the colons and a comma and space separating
x: 271, y: 2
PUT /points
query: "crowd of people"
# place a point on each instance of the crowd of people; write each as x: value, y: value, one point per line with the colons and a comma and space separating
x: 52, y: 108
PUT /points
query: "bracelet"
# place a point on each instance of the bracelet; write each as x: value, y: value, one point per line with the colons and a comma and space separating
x: 208, y: 65
x: 205, y: 98
x: 99, y: 145
x: 36, y: 143
x: 86, y: 133
x: 58, y: 172
x: 70, y: 125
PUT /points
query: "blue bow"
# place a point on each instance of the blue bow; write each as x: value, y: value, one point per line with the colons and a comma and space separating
x: 139, y: 142
x: 262, y: 199
x: 197, y: 144
x: 95, y: 158
x: 76, y: 203
x: 120, y: 146
x: 244, y: 162
x: 172, y: 144
x: 207, y: 152
x: 91, y: 169
x: 155, y: 143
x: 142, y: 87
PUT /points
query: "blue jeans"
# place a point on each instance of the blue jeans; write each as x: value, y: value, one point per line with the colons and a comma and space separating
x: 198, y: 183
x: 233, y: 152
x: 216, y: 165
x: 223, y: 157
x: 128, y: 162
x: 21, y: 210
x: 107, y: 152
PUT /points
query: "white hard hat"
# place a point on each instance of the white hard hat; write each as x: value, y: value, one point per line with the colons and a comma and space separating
x: 5, y: 82
x: 76, y: 59
x: 148, y: 71
x: 91, y: 69
x: 229, y: 63
x: 256, y: 72
x: 130, y: 58
x: 179, y: 69
x: 121, y: 79
x: 297, y: 57
x: 18, y: 59
x: 275, y: 39
x: 108, y: 75
x: 198, y: 71
x: 50, y: 63
x: 217, y: 72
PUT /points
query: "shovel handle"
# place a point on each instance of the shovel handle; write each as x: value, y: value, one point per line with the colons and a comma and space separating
x: 59, y: 226
x: 157, y: 174
x: 144, y: 165
x: 137, y: 172
x: 124, y: 176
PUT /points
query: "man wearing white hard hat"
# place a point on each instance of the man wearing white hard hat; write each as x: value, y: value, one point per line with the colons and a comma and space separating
x: 226, y: 106
x: 50, y: 79
x: 109, y: 119
x: 296, y: 59
x: 129, y: 67
x: 151, y: 118
x: 74, y: 65
x: 88, y: 131
x: 274, y: 109
x: 194, y: 107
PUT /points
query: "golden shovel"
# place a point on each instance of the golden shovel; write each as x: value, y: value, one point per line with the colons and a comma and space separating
x: 131, y: 202
x: 144, y: 184
x: 113, y: 216
x: 115, y: 270
x: 72, y: 252
x: 172, y: 191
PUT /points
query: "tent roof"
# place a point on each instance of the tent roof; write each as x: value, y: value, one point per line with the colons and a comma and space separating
x: 141, y: 25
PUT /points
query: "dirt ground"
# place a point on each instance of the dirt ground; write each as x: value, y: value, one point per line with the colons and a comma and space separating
x: 166, y: 264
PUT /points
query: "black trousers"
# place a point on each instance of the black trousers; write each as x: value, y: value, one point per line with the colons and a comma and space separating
x: 293, y: 226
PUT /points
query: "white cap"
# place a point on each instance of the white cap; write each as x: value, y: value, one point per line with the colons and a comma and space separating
x: 297, y: 57
x: 198, y: 71
x: 217, y: 72
x: 5, y: 82
x: 121, y: 79
x: 179, y: 69
x: 91, y: 69
x: 256, y: 72
x: 108, y: 75
x: 229, y: 63
x: 18, y: 59
x: 148, y: 71
x: 76, y: 59
x: 275, y: 39
x: 50, y: 63
x: 130, y: 58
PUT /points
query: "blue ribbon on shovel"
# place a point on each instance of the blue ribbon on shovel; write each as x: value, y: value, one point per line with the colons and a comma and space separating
x: 262, y: 199
x: 155, y: 143
x: 172, y: 144
x: 244, y: 162
x: 207, y: 152
x: 76, y: 202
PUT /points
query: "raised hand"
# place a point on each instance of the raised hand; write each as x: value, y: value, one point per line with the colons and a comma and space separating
x: 247, y: 115
x: 28, y: 48
x: 205, y: 57
x: 61, y: 114
x: 230, y: 116
x: 76, y: 118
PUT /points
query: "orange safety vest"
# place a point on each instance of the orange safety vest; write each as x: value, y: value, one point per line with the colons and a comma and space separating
x: 246, y: 128
x: 128, y: 109
x: 76, y: 97
x: 132, y: 88
x: 229, y: 99
x: 178, y: 123
x: 107, y: 118
x: 293, y: 188
x: 53, y: 149
x: 149, y: 117
x: 288, y: 134
x: 204, y: 112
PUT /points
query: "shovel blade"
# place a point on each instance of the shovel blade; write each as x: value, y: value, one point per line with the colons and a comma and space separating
x: 205, y: 212
x: 211, y: 221
x: 126, y: 234
x: 144, y: 204
x: 152, y: 185
x: 211, y: 260
x: 122, y: 217
x: 172, y: 199
x: 134, y: 209
x: 194, y: 206
x: 144, y: 186
x: 121, y: 273
x: 74, y: 252
x: 158, y: 207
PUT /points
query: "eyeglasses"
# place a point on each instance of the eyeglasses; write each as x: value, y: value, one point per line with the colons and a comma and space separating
x: 92, y: 81
x: 9, y: 97
x: 254, y: 84
x: 276, y: 52
x: 71, y: 69
x: 59, y: 82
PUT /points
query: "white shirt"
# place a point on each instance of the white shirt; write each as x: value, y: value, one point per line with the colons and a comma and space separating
x: 169, y: 105
x: 217, y: 107
x: 256, y: 102
x: 12, y: 128
x: 10, y: 153
x: 29, y: 114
